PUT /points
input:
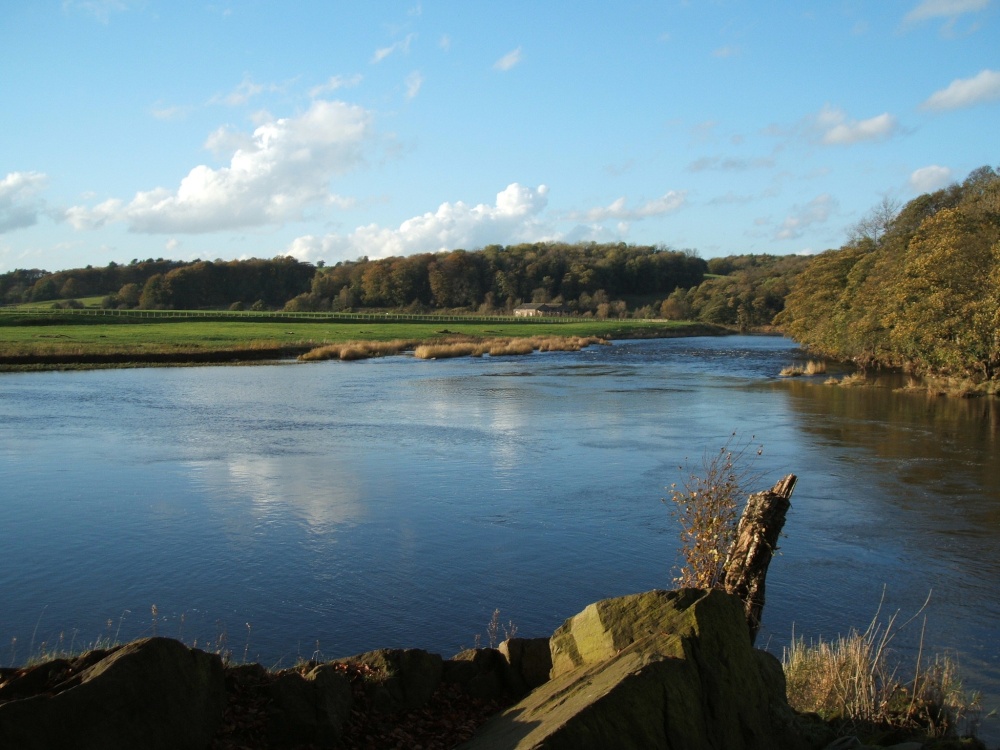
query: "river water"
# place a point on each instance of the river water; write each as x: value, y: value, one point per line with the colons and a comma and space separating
x: 323, y: 509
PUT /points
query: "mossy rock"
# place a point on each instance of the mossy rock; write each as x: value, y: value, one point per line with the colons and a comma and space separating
x: 660, y: 670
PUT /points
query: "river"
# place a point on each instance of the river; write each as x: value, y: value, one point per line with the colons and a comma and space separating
x: 287, y: 511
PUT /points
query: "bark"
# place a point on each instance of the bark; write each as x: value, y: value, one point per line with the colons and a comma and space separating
x: 754, y: 546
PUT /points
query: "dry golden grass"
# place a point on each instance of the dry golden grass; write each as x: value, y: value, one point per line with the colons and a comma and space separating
x: 445, y: 351
x: 504, y: 346
x: 854, y: 379
x: 512, y: 347
x: 451, y: 346
x: 854, y: 679
x: 353, y: 350
x: 812, y: 367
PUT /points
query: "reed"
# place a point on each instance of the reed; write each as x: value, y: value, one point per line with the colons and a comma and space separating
x: 354, y: 350
x: 854, y: 681
x: 812, y: 367
x: 512, y: 347
x: 852, y: 380
x: 445, y: 351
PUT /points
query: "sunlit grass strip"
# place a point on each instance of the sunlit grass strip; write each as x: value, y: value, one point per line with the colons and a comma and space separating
x: 83, y: 343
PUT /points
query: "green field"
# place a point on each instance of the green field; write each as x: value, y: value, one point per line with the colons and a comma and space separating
x: 30, y: 339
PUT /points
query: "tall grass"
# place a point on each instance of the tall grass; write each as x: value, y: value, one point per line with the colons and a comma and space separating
x: 448, y: 350
x: 855, y: 680
x: 504, y: 346
x: 353, y: 350
x: 812, y: 367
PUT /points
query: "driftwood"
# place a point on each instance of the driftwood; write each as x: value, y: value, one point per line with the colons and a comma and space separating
x: 754, y: 546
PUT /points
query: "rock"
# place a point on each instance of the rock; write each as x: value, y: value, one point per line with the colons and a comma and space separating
x: 604, y: 628
x: 308, y: 709
x: 481, y: 673
x: 154, y: 693
x: 530, y: 662
x: 408, y: 677
x: 672, y: 670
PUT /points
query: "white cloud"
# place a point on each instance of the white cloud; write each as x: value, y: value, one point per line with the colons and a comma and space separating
x: 401, y: 46
x: 945, y: 9
x: 413, y: 83
x: 665, y: 204
x: 509, y: 60
x: 19, y: 201
x: 513, y: 218
x: 965, y: 92
x: 225, y: 141
x: 274, y: 176
x: 816, y: 211
x: 335, y: 83
x: 444, y: 42
x: 928, y: 179
x: 836, y: 129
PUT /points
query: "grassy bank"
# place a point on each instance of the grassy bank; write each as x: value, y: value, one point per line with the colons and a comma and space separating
x: 61, y: 341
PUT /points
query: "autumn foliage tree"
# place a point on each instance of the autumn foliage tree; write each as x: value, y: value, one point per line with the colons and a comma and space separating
x: 924, y: 295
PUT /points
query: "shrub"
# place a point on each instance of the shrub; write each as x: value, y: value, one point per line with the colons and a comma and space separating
x: 707, y: 507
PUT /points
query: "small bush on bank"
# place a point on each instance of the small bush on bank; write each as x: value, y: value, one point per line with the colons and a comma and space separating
x: 707, y: 507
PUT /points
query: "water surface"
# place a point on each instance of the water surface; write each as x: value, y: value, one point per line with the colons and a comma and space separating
x: 280, y: 511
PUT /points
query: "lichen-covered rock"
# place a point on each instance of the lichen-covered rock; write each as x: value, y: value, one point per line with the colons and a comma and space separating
x: 604, y: 628
x: 661, y: 670
x: 154, y: 693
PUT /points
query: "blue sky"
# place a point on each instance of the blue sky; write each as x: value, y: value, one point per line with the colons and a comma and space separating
x: 332, y: 130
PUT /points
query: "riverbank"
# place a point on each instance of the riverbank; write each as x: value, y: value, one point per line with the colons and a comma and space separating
x: 658, y: 669
x: 32, y: 343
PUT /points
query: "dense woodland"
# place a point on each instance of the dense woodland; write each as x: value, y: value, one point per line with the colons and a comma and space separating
x: 917, y: 288
x: 600, y: 280
x: 607, y: 280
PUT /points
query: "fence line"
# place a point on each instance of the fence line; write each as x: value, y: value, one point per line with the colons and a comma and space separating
x: 317, y: 317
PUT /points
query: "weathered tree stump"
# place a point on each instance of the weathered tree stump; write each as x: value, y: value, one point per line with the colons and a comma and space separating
x: 754, y: 546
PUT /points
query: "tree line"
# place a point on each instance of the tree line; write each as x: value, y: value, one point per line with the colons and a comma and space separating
x: 603, y: 280
x: 36, y: 285
x: 587, y: 278
x: 916, y: 287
